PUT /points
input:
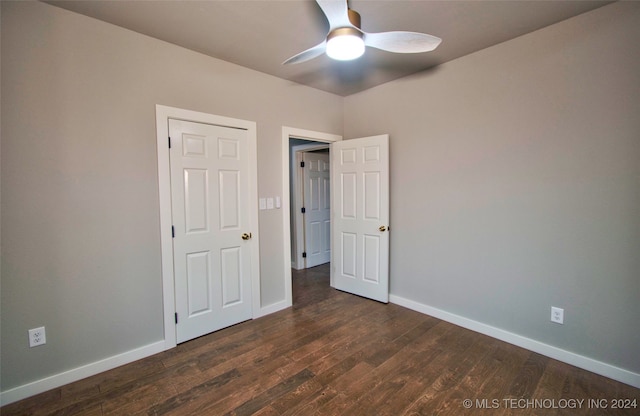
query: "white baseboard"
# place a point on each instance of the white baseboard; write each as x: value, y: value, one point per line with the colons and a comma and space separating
x: 586, y: 363
x: 57, y: 380
x: 269, y: 309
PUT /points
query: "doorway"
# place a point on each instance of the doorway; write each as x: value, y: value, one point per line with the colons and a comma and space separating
x: 301, y: 140
x: 360, y: 205
x: 310, y: 210
x: 316, y: 206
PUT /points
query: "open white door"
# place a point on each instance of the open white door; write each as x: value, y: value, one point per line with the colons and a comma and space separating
x: 317, y: 209
x: 360, y: 216
x: 210, y: 188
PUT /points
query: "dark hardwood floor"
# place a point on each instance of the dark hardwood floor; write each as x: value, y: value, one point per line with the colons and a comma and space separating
x: 338, y: 354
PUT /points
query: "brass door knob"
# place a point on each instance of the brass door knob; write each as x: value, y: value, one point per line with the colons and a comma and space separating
x: 382, y: 228
x: 246, y: 236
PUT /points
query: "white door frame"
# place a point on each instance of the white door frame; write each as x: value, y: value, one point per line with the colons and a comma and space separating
x: 163, y: 114
x: 287, y: 134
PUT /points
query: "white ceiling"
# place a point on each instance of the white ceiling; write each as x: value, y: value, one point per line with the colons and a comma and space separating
x: 261, y: 34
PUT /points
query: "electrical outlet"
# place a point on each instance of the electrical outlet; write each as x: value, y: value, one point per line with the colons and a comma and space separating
x: 557, y: 315
x: 37, y: 336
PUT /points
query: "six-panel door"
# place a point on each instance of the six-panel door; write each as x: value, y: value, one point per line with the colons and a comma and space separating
x: 212, y: 264
x: 317, y: 203
x: 360, y: 221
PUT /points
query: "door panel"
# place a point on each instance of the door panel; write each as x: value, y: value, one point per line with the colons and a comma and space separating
x: 348, y: 250
x: 196, y: 199
x: 317, y: 203
x: 371, y: 272
x: 198, y: 280
x: 360, y: 216
x: 229, y: 182
x: 348, y: 200
x: 212, y: 263
x: 372, y: 195
x: 231, y: 277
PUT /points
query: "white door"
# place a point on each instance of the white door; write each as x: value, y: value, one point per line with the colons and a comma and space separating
x: 360, y: 216
x: 317, y: 215
x: 210, y: 214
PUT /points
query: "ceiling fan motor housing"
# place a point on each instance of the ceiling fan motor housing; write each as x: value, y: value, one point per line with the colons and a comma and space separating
x: 354, y: 18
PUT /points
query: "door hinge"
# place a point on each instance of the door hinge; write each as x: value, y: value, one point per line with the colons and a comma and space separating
x: 303, y: 210
x: 176, y: 316
x: 173, y: 232
x: 302, y: 164
x: 169, y: 142
x: 304, y: 254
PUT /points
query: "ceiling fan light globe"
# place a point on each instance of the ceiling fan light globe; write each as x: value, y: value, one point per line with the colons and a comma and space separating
x: 345, y: 47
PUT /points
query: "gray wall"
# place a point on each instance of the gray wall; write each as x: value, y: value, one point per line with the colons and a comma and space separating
x: 80, y: 220
x: 516, y: 183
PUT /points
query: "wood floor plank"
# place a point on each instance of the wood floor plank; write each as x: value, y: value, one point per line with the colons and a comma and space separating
x: 414, y: 386
x: 315, y: 402
x: 121, y: 376
x: 256, y: 403
x: 181, y: 402
x: 551, y: 386
x: 278, y: 346
x: 527, y: 380
x: 80, y: 390
x: 267, y: 411
x: 257, y: 350
x: 395, y: 363
x: 450, y: 366
x: 448, y: 390
x: 43, y: 402
x: 253, y: 379
x: 508, y: 360
x: 474, y: 381
x: 139, y: 400
x: 354, y: 327
x: 95, y: 409
x: 297, y: 396
x: 349, y: 365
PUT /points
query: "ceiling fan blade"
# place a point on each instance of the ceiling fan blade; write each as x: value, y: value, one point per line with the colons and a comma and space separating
x: 308, y: 54
x: 402, y: 42
x: 336, y: 12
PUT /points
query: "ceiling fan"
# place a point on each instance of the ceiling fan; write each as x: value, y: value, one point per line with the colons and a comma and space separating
x: 346, y: 41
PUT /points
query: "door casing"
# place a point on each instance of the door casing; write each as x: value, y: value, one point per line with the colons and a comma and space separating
x: 287, y: 134
x: 163, y: 114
